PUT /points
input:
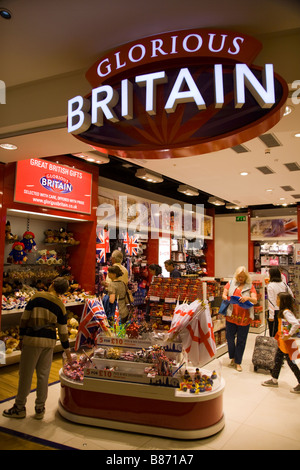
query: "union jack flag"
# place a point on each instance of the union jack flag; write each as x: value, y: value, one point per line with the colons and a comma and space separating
x: 93, y: 317
x: 131, y: 244
x: 102, y: 246
x: 117, y: 314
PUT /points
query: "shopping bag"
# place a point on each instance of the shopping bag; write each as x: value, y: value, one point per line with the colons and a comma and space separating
x: 223, y: 307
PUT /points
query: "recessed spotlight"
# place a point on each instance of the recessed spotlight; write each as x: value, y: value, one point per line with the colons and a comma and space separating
x: 244, y: 173
x: 269, y: 190
x: 5, y: 13
x: 187, y: 190
x: 297, y: 134
x: 8, y: 146
x: 288, y: 110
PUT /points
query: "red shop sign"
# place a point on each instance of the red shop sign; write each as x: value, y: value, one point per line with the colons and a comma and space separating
x: 178, y: 94
x: 48, y: 184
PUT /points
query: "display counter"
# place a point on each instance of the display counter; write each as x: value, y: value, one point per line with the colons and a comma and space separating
x: 128, y: 400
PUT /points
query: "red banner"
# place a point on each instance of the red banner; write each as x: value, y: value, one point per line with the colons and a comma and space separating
x: 48, y: 184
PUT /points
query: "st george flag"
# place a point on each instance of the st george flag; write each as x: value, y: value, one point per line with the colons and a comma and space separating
x: 102, y: 245
x: 196, y: 330
x: 92, y: 319
x: 131, y: 244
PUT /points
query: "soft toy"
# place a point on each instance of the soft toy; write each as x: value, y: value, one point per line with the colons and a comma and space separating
x: 17, y: 255
x: 8, y: 235
x: 49, y: 236
x: 52, y: 258
x: 42, y: 259
x: 28, y: 241
x: 62, y: 235
x: 71, y: 240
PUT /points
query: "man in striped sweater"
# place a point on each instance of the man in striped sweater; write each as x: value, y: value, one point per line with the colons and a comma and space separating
x: 43, y: 314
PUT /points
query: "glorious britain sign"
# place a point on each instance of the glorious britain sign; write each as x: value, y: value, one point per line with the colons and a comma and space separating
x: 178, y: 94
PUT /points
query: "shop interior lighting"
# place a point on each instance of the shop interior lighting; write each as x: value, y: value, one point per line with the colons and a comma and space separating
x: 232, y: 206
x: 148, y: 176
x: 297, y: 134
x: 5, y: 13
x: 8, y: 146
x: 216, y: 201
x: 288, y: 110
x: 39, y: 215
x: 244, y: 173
x: 93, y: 156
x: 187, y: 190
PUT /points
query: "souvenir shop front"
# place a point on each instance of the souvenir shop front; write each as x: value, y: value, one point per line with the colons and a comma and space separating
x: 170, y: 96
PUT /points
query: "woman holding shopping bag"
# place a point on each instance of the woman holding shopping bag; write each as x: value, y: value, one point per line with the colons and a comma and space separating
x: 238, y: 318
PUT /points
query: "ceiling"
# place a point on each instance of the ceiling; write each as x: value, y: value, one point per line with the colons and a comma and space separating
x: 49, y: 45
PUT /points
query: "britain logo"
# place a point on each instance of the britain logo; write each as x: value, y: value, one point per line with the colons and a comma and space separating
x: 56, y: 184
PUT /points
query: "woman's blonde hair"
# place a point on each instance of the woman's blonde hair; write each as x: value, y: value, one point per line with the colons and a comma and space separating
x: 242, y: 269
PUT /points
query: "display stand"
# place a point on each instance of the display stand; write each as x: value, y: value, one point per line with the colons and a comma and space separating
x: 125, y: 398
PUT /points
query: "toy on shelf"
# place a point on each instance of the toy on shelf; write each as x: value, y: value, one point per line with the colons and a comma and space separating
x: 17, y: 254
x: 8, y: 235
x: 42, y: 259
x: 28, y: 241
x: 52, y: 258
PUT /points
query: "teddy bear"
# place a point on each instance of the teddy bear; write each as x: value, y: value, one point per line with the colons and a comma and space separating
x: 52, y: 258
x: 42, y: 259
x: 8, y: 235
x: 28, y: 241
x: 49, y: 236
x: 62, y: 235
x: 17, y: 254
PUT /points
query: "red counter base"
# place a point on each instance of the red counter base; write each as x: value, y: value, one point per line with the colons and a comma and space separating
x: 141, y: 410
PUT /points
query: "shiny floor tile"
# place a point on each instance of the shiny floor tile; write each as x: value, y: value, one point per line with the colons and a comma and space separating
x: 256, y: 417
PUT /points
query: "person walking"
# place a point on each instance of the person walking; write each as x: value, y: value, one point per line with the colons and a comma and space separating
x: 275, y: 286
x: 238, y: 318
x: 287, y: 346
x: 42, y: 315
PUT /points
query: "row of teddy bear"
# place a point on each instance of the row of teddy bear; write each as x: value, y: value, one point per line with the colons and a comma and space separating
x: 51, y: 236
x: 27, y: 244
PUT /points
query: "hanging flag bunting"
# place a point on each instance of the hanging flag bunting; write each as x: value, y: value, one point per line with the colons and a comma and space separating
x: 195, y: 326
x: 102, y: 246
x: 131, y: 244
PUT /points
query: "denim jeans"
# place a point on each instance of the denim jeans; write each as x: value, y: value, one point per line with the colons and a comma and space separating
x: 236, y: 336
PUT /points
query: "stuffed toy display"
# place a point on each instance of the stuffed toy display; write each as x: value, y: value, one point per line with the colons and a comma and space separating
x: 28, y: 241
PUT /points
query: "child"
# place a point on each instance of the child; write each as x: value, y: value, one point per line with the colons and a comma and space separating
x: 287, y: 346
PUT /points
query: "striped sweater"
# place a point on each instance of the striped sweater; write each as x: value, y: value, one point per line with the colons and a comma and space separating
x: 42, y: 315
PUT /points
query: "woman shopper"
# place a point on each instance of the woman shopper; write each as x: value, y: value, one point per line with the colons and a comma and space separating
x: 238, y: 318
x: 117, y: 290
x: 287, y: 347
x: 275, y: 286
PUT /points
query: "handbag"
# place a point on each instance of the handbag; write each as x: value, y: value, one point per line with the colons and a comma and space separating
x: 223, y: 307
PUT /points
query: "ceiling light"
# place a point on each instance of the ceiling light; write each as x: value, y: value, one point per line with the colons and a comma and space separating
x: 288, y: 110
x: 232, y: 206
x: 244, y: 173
x: 297, y: 135
x: 269, y: 190
x: 93, y: 156
x: 187, y: 190
x: 5, y: 13
x: 8, y: 146
x: 148, y: 176
x: 216, y: 201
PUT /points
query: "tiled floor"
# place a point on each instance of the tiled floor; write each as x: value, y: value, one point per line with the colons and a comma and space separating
x: 256, y: 418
